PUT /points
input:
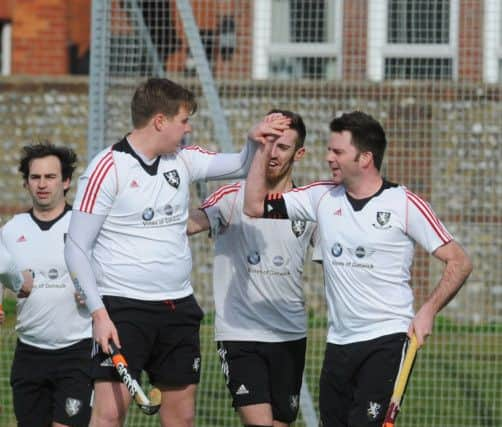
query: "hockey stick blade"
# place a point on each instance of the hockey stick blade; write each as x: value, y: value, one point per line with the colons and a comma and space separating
x: 147, y: 406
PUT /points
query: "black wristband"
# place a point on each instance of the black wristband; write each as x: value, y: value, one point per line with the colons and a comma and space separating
x: 275, y: 207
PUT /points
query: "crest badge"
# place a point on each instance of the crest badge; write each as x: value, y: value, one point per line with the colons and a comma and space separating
x: 298, y: 227
x: 173, y: 178
x: 382, y: 220
x: 72, y: 406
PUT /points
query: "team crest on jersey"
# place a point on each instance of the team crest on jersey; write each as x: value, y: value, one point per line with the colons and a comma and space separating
x: 298, y: 227
x: 383, y: 219
x: 72, y: 406
x: 172, y: 178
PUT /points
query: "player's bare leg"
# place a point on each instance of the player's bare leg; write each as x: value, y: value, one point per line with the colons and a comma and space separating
x: 259, y: 414
x: 111, y: 400
x: 178, y: 406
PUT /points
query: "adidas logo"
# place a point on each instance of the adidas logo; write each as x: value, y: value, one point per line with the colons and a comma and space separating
x: 107, y: 362
x: 242, y: 390
x: 21, y: 239
x: 134, y: 184
x: 338, y: 212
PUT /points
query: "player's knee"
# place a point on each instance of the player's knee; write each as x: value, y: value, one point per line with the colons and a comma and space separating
x: 104, y: 417
x: 179, y: 417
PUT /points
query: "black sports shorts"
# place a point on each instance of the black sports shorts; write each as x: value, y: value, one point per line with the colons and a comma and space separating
x: 160, y: 337
x: 52, y: 385
x: 357, y: 381
x: 261, y: 372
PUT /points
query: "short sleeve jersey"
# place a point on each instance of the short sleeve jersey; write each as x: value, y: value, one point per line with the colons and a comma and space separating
x: 49, y: 318
x: 142, y: 251
x: 367, y: 255
x: 257, y: 272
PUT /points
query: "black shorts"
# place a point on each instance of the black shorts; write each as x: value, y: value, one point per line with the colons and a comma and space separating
x: 357, y: 381
x: 260, y: 372
x: 52, y: 385
x: 160, y: 337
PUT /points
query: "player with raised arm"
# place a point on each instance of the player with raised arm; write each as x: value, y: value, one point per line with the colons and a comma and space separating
x: 260, y: 323
x: 128, y: 251
x: 50, y: 375
x: 368, y: 227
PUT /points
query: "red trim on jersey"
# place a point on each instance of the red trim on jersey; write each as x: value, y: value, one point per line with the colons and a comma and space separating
x: 96, y: 179
x: 313, y: 184
x: 218, y: 194
x: 199, y: 149
x: 428, y: 213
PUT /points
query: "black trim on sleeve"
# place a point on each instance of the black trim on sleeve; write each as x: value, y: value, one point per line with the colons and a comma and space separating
x: 275, y: 207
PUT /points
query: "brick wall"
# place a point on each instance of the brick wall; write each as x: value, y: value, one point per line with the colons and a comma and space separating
x: 44, y: 30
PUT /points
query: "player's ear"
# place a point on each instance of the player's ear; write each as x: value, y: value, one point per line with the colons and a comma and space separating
x: 365, y: 158
x: 157, y: 121
x: 299, y: 154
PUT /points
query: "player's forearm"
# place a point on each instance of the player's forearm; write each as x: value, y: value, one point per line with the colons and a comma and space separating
x: 10, y: 276
x: 197, y: 222
x: 232, y: 165
x: 457, y: 270
x: 82, y: 233
x: 256, y: 185
x: 80, y: 269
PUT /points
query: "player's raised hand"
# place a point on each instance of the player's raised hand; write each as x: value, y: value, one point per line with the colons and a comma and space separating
x: 272, y: 125
x: 2, y: 314
x: 103, y: 330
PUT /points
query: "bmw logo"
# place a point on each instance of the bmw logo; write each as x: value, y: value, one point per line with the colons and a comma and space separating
x: 360, y: 252
x: 148, y: 214
x: 254, y: 258
x: 336, y: 250
x: 53, y: 274
x: 278, y: 260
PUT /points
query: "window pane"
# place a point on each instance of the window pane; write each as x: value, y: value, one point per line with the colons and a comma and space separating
x: 418, y: 21
x: 303, y: 68
x: 302, y: 21
x: 418, y: 68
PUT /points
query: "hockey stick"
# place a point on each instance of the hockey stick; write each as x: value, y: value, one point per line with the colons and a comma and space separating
x: 148, y: 406
x: 400, y: 384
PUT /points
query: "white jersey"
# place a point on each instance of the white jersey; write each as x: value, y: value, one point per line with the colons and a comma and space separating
x: 257, y: 272
x: 367, y: 255
x: 142, y: 250
x: 49, y: 318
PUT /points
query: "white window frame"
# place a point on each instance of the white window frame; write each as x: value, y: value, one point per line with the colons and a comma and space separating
x: 379, y: 49
x: 492, y: 54
x: 6, y: 48
x: 263, y: 48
